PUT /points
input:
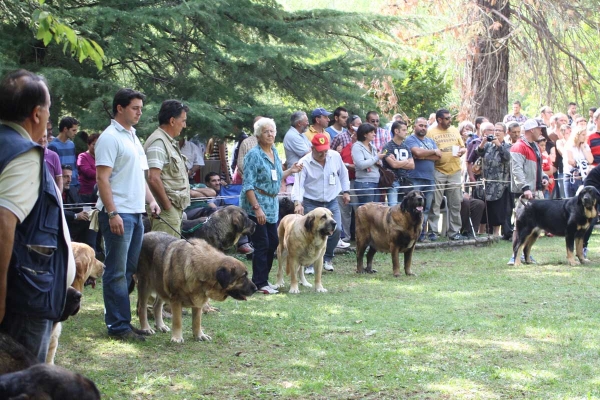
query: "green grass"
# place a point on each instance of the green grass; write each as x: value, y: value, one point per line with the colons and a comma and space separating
x: 468, y: 326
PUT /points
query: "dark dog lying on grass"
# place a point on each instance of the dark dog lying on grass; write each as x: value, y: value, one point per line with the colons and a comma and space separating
x: 570, y: 218
x: 23, y: 377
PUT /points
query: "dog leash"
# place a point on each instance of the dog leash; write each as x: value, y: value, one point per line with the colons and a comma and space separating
x: 169, y: 225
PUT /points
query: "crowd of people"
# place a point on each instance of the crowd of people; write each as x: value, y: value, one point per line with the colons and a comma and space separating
x: 334, y: 160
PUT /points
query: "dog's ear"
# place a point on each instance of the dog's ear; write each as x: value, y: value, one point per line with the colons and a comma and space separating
x: 309, y: 223
x: 223, y: 277
x: 404, y: 203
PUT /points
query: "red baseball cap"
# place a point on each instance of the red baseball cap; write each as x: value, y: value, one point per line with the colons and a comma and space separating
x: 321, y: 142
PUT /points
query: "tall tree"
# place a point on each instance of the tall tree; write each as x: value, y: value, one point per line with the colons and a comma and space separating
x: 229, y: 60
x: 547, y: 47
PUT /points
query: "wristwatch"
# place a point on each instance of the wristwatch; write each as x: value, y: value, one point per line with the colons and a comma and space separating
x: 112, y: 214
x: 256, y: 206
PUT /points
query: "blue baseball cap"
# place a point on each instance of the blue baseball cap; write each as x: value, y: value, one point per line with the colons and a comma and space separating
x: 317, y: 112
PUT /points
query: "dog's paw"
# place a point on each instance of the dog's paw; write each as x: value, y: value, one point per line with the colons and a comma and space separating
x: 279, y: 284
x: 163, y: 328
x: 370, y: 271
x: 294, y: 290
x: 305, y: 283
x: 176, y: 339
x: 410, y: 274
x: 585, y: 261
x: 321, y: 289
x: 147, y: 331
x: 202, y: 337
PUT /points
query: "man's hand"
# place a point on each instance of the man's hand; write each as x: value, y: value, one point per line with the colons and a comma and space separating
x: 154, y: 207
x: 437, y: 152
x: 528, y: 194
x: 346, y: 198
x: 299, y: 209
x: 82, y: 216
x: 116, y: 225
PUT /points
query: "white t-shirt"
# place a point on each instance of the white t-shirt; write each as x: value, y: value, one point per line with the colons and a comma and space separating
x: 122, y: 151
x: 579, y: 157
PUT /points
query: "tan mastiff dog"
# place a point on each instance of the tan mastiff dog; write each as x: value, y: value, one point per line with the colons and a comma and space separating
x: 186, y: 274
x: 302, y: 242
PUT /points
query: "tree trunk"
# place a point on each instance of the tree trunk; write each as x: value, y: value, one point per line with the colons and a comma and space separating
x: 489, y: 61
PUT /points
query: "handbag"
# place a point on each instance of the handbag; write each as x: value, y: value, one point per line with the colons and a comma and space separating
x: 386, y: 178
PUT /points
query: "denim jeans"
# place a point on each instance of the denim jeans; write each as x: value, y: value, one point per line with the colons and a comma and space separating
x: 332, y: 206
x: 427, y: 186
x: 396, y: 193
x: 265, y: 242
x: 32, y: 333
x: 366, y: 192
x: 122, y: 254
x: 571, y: 186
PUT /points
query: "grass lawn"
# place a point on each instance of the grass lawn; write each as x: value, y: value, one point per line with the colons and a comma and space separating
x: 467, y: 326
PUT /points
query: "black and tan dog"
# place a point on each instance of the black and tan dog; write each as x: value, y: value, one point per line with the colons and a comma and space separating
x: 567, y: 217
x: 186, y: 274
x: 222, y: 229
x: 392, y: 230
x: 302, y: 242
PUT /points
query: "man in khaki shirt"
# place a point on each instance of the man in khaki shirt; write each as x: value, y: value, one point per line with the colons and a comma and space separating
x: 447, y: 174
x: 167, y: 174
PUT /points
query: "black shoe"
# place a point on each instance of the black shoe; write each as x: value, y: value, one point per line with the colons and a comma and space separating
x: 139, y: 331
x: 129, y: 336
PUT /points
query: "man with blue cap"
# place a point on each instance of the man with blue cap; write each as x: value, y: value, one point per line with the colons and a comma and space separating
x: 320, y: 121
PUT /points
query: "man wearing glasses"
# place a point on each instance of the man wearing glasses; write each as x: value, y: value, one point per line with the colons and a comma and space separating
x: 381, y: 135
x: 447, y: 174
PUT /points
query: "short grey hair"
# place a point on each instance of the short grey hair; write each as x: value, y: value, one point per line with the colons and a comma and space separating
x: 297, y: 117
x: 262, y: 123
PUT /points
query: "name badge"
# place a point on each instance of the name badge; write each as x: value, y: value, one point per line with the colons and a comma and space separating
x: 143, y: 162
x: 274, y: 174
x: 332, y: 179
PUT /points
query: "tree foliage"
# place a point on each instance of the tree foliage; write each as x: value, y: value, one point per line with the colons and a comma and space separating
x: 229, y: 60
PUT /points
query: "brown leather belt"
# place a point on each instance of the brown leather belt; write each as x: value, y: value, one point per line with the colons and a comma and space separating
x: 265, y: 193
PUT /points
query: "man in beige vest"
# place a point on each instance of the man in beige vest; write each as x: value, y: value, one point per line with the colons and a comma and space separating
x: 167, y: 173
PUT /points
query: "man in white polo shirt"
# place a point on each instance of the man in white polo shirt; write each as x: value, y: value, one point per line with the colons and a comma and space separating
x: 120, y: 166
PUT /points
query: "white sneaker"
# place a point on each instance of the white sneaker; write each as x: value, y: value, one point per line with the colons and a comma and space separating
x: 268, y: 290
x: 342, y: 245
x: 328, y: 266
x: 309, y: 271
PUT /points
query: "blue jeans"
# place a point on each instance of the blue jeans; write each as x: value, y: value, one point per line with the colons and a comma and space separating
x: 265, y: 242
x: 32, y: 333
x: 122, y: 254
x: 366, y: 192
x: 571, y: 186
x: 395, y: 194
x: 332, y: 206
x: 427, y: 186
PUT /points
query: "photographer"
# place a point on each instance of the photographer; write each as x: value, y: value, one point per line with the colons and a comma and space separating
x: 495, y: 153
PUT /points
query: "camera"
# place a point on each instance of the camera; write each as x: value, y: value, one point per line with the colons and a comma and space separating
x: 490, y: 138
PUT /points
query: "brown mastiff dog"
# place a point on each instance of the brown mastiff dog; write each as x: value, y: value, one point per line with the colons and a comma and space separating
x: 389, y: 230
x: 87, y: 266
x: 186, y: 274
x: 302, y: 242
